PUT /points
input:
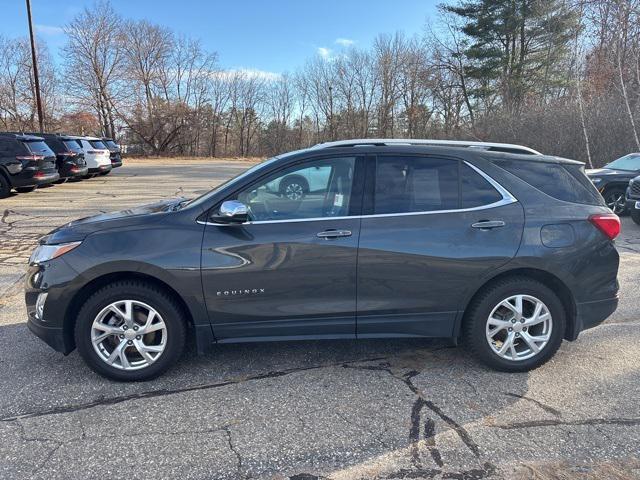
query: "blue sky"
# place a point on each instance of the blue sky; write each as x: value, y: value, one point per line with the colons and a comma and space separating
x: 272, y: 36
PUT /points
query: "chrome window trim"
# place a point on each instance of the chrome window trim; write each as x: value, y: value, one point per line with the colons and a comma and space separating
x: 507, y: 198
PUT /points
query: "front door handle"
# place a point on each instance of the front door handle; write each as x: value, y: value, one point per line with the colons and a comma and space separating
x: 328, y: 234
x: 488, y: 224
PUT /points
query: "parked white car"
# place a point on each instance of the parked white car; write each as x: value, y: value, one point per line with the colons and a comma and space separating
x: 96, y: 154
x: 303, y: 182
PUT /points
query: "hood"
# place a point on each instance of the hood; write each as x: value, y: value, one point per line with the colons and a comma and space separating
x: 605, y: 172
x: 77, y: 230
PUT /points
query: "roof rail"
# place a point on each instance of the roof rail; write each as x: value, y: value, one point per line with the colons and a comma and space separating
x: 499, y: 147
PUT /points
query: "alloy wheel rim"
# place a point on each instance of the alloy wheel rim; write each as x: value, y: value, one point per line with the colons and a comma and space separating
x: 519, y: 327
x: 616, y: 202
x: 294, y: 191
x: 129, y: 335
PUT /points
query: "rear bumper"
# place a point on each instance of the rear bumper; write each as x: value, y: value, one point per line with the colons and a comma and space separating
x: 29, y: 181
x: 592, y: 314
x: 116, y: 163
x: 100, y: 169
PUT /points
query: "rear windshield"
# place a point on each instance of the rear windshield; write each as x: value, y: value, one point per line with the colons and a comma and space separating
x: 98, y: 144
x: 111, y: 144
x: 39, y: 147
x: 72, y: 145
x: 566, y: 182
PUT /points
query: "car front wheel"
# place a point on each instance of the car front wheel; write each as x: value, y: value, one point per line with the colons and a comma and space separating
x: 130, y: 331
x: 515, y: 325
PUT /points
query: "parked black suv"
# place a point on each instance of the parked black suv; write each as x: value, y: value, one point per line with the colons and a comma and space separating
x: 69, y: 156
x: 25, y: 162
x: 633, y: 199
x: 509, y: 253
x: 115, y: 152
x: 612, y: 180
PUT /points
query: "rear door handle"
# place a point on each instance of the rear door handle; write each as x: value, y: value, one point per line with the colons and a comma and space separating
x: 488, y: 224
x: 328, y: 234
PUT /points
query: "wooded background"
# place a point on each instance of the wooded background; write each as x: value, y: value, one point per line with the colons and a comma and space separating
x: 560, y: 76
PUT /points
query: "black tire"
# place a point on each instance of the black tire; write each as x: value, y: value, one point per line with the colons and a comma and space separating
x: 477, y: 315
x: 26, y: 189
x: 5, y: 187
x: 163, y: 303
x: 635, y: 215
x: 614, y: 197
x: 294, y: 188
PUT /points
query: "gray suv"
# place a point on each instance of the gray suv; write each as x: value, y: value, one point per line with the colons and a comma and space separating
x: 497, y: 246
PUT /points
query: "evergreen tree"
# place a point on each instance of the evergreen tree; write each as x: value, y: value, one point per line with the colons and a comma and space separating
x: 516, y: 47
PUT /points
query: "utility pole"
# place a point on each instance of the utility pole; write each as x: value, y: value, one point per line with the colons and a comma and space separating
x: 35, y: 69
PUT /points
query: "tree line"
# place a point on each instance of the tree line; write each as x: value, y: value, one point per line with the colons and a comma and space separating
x: 560, y: 76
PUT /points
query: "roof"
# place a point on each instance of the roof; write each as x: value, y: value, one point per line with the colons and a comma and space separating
x: 490, y: 146
x: 20, y: 136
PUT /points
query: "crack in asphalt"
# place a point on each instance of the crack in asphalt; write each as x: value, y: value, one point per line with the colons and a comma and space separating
x: 558, y: 422
x: 166, y: 392
x: 232, y: 447
x: 544, y: 407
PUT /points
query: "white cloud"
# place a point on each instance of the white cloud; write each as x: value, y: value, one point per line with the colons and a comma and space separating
x: 49, y: 29
x: 344, y: 42
x: 324, y: 52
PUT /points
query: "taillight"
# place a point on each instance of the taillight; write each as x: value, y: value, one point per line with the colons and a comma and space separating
x: 69, y: 154
x: 30, y: 157
x: 607, y: 223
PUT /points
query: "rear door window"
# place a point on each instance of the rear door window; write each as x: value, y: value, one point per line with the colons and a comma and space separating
x: 415, y: 184
x: 476, y: 191
x: 566, y: 182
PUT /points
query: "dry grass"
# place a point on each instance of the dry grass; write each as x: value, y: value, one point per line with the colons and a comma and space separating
x: 187, y: 160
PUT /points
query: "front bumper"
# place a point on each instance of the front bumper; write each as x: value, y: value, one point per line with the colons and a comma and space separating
x: 631, y: 203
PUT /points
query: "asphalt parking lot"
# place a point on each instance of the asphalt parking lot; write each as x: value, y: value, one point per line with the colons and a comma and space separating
x: 387, y: 409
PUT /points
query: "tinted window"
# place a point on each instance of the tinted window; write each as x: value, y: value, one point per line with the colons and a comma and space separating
x: 111, y: 144
x: 415, y: 184
x: 72, y: 145
x: 475, y: 190
x: 39, y: 147
x: 321, y: 188
x: 562, y: 181
x: 98, y: 144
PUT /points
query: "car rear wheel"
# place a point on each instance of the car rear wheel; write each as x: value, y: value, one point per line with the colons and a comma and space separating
x: 5, y: 187
x: 515, y: 325
x: 26, y: 189
x: 130, y: 331
x: 615, y: 200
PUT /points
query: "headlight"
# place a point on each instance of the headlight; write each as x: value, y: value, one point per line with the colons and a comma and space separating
x: 48, y: 252
x: 596, y: 180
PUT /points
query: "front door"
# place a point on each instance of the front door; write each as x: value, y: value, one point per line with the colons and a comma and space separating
x: 290, y: 271
x: 434, y: 227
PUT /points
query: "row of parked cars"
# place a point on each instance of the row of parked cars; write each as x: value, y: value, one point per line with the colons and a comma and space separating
x: 619, y: 184
x: 30, y: 160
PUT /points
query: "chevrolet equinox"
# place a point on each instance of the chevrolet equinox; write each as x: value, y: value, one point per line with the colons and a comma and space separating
x: 496, y: 245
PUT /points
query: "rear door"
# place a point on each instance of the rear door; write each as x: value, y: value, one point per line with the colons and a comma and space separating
x: 432, y: 227
x: 291, y: 270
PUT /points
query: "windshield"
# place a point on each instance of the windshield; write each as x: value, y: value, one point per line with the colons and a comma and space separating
x: 203, y: 198
x: 628, y: 162
x: 40, y: 148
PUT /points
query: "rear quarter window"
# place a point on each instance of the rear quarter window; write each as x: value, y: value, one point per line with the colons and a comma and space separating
x: 566, y: 182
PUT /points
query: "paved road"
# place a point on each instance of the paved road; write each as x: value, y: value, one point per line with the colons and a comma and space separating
x: 387, y: 409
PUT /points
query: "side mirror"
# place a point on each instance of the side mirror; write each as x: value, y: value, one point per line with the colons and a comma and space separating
x: 231, y: 211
